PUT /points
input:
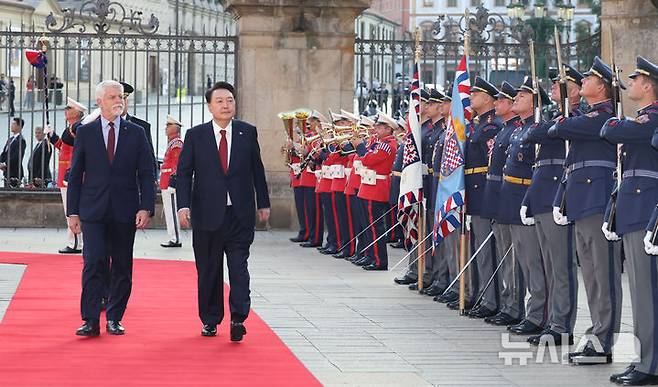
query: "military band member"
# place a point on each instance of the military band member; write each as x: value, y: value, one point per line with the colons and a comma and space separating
x: 168, y: 181
x: 590, y: 165
x: 478, y: 147
x: 636, y: 198
x: 293, y: 148
x: 73, y: 113
x: 511, y: 304
x: 359, y: 208
x: 437, y: 112
x: 308, y: 181
x: 517, y: 175
x: 375, y: 186
x: 555, y: 241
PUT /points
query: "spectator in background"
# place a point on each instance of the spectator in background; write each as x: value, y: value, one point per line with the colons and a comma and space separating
x: 11, y: 158
x: 29, y: 93
x: 39, y: 165
x: 3, y: 90
x: 208, y: 82
x: 11, y: 91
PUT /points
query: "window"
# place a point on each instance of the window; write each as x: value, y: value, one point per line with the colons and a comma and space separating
x: 500, y: 3
x: 475, y: 3
x: 428, y: 3
x: 451, y: 3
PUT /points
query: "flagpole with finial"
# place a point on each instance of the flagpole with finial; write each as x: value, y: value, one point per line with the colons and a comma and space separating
x: 421, y: 207
x: 463, y: 237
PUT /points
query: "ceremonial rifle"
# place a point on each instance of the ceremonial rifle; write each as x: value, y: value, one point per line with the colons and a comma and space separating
x: 617, y: 109
x: 565, y: 107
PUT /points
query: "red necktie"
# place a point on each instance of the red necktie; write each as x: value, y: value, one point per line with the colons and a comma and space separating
x: 223, y: 151
x: 110, y: 143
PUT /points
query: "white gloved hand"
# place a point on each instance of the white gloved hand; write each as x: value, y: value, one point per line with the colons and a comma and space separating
x: 609, y: 235
x: 524, y: 219
x: 468, y: 222
x: 558, y: 218
x: 648, y: 247
x: 48, y: 130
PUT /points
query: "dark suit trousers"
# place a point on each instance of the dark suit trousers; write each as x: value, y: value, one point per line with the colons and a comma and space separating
x: 105, y: 241
x: 233, y: 240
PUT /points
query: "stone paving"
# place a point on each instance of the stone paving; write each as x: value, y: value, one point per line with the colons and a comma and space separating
x: 351, y: 327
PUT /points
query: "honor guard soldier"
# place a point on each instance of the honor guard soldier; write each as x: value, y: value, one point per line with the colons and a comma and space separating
x: 478, y: 147
x: 517, y: 175
x: 437, y: 112
x: 635, y: 201
x: 426, y: 130
x: 511, y: 304
x: 555, y: 241
x: 73, y: 113
x: 590, y: 167
x: 127, y: 91
x: 168, y: 181
x: 651, y: 237
x: 375, y: 187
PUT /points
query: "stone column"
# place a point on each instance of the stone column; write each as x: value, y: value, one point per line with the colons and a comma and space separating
x: 635, y: 32
x: 291, y: 54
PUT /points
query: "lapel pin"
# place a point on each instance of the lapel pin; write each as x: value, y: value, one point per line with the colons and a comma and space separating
x: 240, y: 133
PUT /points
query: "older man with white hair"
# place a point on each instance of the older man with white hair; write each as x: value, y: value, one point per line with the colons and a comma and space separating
x: 115, y: 198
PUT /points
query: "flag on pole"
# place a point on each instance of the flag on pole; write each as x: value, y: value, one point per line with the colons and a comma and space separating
x: 450, y: 193
x: 411, y: 180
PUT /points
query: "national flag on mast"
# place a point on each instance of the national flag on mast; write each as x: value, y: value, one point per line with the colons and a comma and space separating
x: 411, y: 180
x: 450, y: 193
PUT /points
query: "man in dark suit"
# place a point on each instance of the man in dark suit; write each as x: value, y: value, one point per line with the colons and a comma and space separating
x: 116, y: 197
x: 219, y: 170
x: 11, y: 158
x: 39, y: 164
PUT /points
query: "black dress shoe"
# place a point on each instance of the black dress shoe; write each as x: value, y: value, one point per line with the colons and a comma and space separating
x: 481, y: 312
x: 448, y: 297
x: 171, y: 244
x: 590, y: 356
x: 550, y: 337
x: 331, y: 251
x: 237, y: 331
x: 637, y: 378
x: 397, y: 245
x: 342, y: 254
x: 68, y: 250
x: 354, y: 258
x: 365, y: 261
x: 114, y: 328
x: 414, y: 286
x: 323, y: 247
x: 525, y: 327
x: 454, y: 305
x: 405, y: 280
x: 433, y: 291
x: 297, y: 239
x: 614, y: 377
x: 309, y: 244
x: 502, y: 319
x: 209, y: 330
x: 375, y: 267
x: 89, y: 329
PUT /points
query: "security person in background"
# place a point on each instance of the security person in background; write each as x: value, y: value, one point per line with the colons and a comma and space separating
x: 437, y: 112
x: 73, y: 113
x: 590, y: 168
x: 555, y: 241
x: 478, y: 148
x: 511, y: 305
x: 168, y: 181
x: 636, y: 198
x: 517, y: 175
x: 127, y: 91
x: 376, y: 185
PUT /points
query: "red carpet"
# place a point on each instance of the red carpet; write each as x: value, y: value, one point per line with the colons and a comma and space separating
x: 162, y: 345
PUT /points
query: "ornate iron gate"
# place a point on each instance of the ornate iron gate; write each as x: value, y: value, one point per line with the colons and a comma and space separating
x: 499, y: 51
x: 102, y: 40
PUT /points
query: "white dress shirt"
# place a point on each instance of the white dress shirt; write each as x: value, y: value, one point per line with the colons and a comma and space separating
x: 218, y: 137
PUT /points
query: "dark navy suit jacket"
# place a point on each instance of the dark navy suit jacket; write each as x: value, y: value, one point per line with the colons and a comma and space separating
x: 202, y: 184
x: 97, y: 189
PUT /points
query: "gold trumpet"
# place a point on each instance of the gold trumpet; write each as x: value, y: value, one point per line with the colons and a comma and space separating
x: 302, y: 116
x: 338, y: 139
x: 287, y: 119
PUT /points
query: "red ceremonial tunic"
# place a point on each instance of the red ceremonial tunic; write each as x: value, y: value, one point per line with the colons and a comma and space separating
x: 170, y: 161
x: 376, y: 179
